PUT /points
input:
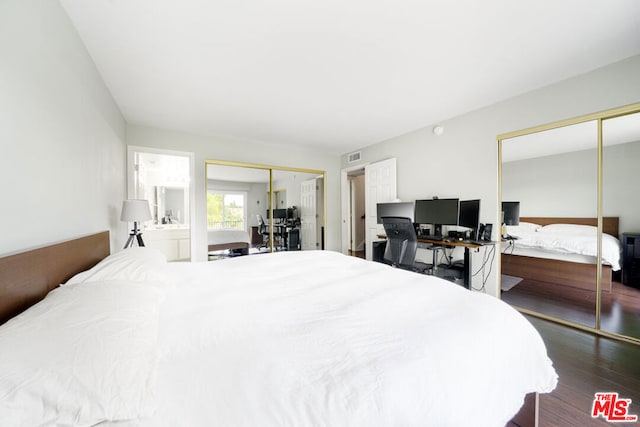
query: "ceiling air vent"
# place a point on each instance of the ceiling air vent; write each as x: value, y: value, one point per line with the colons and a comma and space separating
x: 354, y: 157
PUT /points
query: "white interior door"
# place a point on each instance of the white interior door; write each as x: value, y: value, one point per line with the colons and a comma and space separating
x: 380, y: 187
x: 308, y: 215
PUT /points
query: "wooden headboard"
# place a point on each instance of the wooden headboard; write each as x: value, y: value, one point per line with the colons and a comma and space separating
x: 26, y: 277
x: 609, y: 223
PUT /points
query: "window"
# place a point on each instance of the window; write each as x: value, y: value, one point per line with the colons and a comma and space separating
x: 226, y: 210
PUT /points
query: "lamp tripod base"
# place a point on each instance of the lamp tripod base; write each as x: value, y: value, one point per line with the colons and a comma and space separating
x: 134, y: 236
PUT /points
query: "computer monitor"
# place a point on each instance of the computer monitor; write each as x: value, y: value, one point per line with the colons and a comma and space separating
x: 278, y: 213
x: 437, y: 212
x: 511, y: 213
x: 398, y: 209
x: 469, y: 215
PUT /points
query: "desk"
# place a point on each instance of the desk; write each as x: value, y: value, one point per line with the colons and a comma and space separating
x: 468, y: 272
x: 289, y: 235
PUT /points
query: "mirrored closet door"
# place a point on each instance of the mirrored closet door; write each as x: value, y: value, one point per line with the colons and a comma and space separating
x: 253, y: 209
x: 620, y: 307
x: 552, y: 175
x: 573, y: 255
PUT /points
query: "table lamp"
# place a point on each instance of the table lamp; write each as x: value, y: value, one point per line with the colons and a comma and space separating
x: 135, y: 211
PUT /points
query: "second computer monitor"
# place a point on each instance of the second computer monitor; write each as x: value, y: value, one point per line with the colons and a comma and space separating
x: 470, y: 215
x: 437, y: 212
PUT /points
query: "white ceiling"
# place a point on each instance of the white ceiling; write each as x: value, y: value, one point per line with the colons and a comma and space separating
x: 339, y: 74
x: 577, y: 137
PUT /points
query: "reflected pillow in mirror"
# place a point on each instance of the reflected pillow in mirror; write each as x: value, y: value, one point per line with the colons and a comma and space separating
x: 522, y: 229
x: 572, y: 229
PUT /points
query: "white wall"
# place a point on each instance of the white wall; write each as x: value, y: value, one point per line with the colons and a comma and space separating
x: 620, y: 166
x: 463, y: 162
x: 62, y: 150
x: 565, y: 185
x: 214, y: 148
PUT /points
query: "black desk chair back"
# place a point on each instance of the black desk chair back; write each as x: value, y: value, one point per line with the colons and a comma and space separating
x: 402, y: 242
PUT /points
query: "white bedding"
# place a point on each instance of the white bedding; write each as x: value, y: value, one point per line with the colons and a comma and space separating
x: 85, y: 353
x: 324, y: 339
x: 317, y: 338
x: 561, y: 242
x: 221, y: 237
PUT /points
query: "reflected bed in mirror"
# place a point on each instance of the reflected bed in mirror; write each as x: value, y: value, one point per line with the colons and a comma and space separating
x: 562, y: 251
x: 556, y: 260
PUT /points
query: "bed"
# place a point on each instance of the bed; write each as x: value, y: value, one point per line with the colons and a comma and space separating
x: 562, y: 251
x: 232, y: 240
x: 311, y: 338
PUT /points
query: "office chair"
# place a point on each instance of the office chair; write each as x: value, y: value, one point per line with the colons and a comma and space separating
x: 263, y: 230
x: 402, y: 244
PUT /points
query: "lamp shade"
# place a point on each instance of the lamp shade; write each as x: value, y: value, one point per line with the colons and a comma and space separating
x: 135, y: 211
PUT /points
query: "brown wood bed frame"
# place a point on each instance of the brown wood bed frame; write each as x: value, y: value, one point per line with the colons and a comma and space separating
x: 26, y: 277
x: 573, y: 274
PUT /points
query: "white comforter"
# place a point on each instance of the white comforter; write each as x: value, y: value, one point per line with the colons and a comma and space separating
x: 572, y: 244
x: 321, y: 339
x: 286, y: 339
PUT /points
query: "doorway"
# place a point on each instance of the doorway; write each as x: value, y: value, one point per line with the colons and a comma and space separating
x: 379, y: 187
x: 163, y: 178
x: 357, y: 225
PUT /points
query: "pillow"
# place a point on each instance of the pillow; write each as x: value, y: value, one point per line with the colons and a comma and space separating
x: 572, y: 229
x: 522, y: 228
x: 136, y: 264
x: 83, y: 355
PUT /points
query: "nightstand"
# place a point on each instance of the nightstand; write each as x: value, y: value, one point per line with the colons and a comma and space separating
x: 631, y: 259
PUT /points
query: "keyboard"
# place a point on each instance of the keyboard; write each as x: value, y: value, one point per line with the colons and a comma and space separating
x: 436, y: 238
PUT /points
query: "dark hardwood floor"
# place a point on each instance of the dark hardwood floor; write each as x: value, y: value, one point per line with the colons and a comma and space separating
x: 586, y: 364
x: 620, y: 311
x: 359, y: 254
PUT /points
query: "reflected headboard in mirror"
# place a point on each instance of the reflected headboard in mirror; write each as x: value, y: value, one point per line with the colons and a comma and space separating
x: 26, y: 277
x: 610, y: 224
